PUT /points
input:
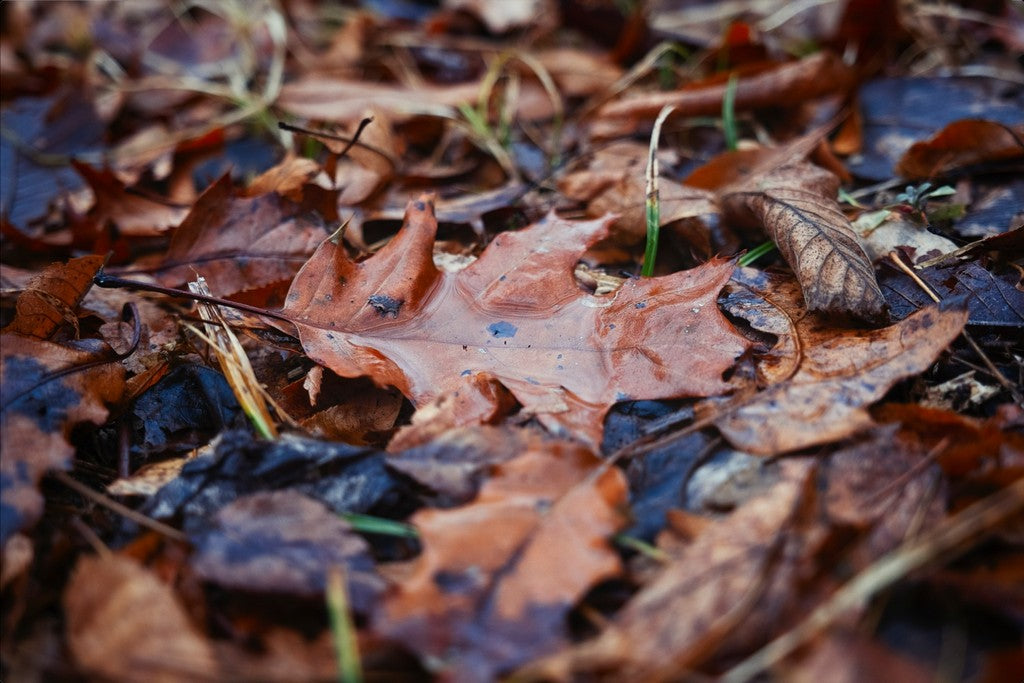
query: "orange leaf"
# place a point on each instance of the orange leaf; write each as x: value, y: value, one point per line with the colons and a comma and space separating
x: 52, y: 297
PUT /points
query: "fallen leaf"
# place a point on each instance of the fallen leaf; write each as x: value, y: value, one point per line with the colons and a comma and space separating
x: 330, y: 98
x: 813, y: 76
x: 847, y: 658
x: 796, y: 206
x: 896, y: 111
x: 515, y: 313
x: 992, y: 298
x: 46, y: 389
x: 345, y: 478
x: 896, y: 230
x: 497, y: 577
x: 614, y: 183
x: 134, y: 214
x: 962, y: 143
x: 285, y: 543
x: 51, y: 298
x: 124, y: 624
x: 841, y: 372
x: 662, y: 630
x: 240, y: 243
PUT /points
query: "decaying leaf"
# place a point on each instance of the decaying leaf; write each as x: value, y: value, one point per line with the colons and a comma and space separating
x: 796, y: 206
x: 517, y: 314
x: 497, y: 576
x: 666, y: 627
x: 285, y: 543
x: 46, y: 389
x: 842, y: 371
x: 239, y: 243
x: 51, y: 298
x: 133, y: 214
x: 962, y: 143
x: 124, y: 624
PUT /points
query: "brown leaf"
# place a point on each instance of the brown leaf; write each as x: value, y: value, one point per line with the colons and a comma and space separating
x: 326, y: 98
x: 787, y: 83
x: 796, y: 206
x: 962, y: 143
x: 124, y: 624
x: 841, y: 373
x: 517, y: 314
x: 283, y: 542
x: 51, y: 298
x: 497, y: 577
x: 240, y: 243
x: 134, y: 214
x: 663, y: 627
x: 44, y: 395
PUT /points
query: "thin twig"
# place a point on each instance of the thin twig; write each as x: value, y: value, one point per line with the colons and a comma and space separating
x: 123, y: 510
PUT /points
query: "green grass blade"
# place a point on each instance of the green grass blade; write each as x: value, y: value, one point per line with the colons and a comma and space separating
x: 756, y: 253
x: 368, y: 524
x: 729, y: 113
x: 343, y: 631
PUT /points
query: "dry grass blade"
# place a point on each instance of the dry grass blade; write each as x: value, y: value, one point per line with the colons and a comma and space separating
x: 235, y: 364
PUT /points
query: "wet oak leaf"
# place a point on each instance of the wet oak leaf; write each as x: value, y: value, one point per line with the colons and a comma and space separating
x: 962, y: 143
x: 240, y: 243
x: 497, y: 577
x: 518, y: 314
x: 51, y: 298
x: 42, y: 397
x: 796, y: 206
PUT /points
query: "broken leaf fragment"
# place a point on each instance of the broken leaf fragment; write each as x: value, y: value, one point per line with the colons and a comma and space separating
x: 517, y: 314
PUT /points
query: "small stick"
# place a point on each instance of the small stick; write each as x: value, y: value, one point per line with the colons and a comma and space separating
x: 123, y: 510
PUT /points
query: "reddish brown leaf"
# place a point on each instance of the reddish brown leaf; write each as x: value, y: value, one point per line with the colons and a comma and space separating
x: 517, y: 314
x: 333, y: 99
x: 788, y: 83
x: 962, y: 143
x: 134, y: 214
x: 43, y: 397
x: 51, y: 298
x: 796, y: 206
x: 497, y: 577
x: 841, y: 373
x: 240, y: 243
x: 124, y: 624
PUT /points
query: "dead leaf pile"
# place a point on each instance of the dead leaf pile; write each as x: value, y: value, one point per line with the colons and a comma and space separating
x: 491, y: 448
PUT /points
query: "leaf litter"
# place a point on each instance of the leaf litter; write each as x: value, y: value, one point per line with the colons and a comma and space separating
x: 513, y: 453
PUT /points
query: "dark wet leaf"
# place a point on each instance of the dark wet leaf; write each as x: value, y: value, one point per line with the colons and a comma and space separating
x: 343, y: 477
x: 900, y: 111
x: 991, y: 298
x: 45, y: 390
x: 283, y: 542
